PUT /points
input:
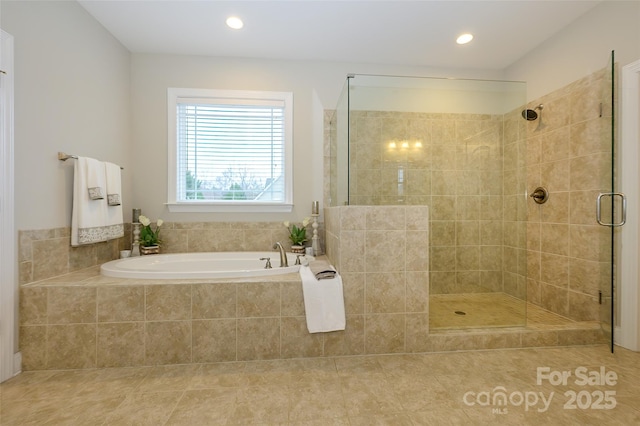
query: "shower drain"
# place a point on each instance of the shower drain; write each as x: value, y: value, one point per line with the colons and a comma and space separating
x: 460, y: 313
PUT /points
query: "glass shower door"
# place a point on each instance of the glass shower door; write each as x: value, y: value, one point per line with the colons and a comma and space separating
x: 610, y: 206
x: 339, y: 151
x: 459, y: 147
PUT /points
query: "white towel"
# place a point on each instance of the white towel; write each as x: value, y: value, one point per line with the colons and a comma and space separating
x: 88, y: 215
x: 323, y: 302
x: 114, y: 185
x: 95, y: 178
x: 92, y: 221
x: 115, y: 219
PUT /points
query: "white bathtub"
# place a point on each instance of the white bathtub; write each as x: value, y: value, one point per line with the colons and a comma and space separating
x: 198, y: 265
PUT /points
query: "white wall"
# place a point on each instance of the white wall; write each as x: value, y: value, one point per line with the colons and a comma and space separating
x: 71, y: 94
x: 581, y: 48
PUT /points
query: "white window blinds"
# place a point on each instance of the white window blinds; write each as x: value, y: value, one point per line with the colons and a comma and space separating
x: 231, y: 150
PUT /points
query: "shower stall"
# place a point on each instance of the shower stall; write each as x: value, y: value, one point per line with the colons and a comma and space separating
x: 462, y: 148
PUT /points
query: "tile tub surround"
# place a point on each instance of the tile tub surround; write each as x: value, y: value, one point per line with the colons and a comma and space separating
x: 84, y: 320
x: 47, y: 253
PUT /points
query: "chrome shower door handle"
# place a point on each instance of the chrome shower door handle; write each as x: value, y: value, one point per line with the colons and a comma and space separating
x: 623, y: 199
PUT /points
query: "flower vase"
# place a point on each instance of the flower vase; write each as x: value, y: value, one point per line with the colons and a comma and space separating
x: 149, y: 249
x: 297, y: 249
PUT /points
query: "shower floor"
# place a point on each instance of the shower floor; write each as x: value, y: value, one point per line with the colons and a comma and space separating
x: 487, y: 310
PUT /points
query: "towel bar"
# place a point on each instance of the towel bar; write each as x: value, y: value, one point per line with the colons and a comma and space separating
x: 64, y: 157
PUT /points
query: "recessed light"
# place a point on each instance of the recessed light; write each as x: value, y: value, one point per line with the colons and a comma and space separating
x: 464, y: 38
x: 234, y: 22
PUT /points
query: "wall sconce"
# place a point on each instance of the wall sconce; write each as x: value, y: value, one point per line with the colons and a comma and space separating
x: 404, y: 144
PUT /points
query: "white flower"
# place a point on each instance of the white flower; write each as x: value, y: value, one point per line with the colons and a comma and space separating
x: 160, y: 222
x: 286, y: 223
x: 306, y: 221
x: 144, y: 220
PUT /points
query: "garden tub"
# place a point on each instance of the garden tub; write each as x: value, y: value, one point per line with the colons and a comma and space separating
x: 199, y: 265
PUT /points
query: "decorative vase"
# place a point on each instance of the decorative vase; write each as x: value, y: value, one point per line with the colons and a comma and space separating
x: 149, y: 249
x: 297, y: 249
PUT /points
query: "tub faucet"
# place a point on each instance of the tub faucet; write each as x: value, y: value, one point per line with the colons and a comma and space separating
x: 283, y: 255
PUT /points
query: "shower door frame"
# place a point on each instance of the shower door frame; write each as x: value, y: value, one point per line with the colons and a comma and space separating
x: 10, y: 361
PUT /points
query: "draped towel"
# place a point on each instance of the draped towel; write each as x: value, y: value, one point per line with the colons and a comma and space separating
x: 323, y: 302
x: 91, y: 220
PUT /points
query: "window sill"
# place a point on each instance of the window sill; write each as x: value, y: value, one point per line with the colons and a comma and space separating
x: 228, y: 208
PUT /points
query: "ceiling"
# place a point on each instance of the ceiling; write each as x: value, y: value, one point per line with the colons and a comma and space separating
x: 408, y: 33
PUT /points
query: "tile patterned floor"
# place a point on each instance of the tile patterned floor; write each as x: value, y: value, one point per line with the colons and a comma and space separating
x: 422, y: 389
x: 485, y: 310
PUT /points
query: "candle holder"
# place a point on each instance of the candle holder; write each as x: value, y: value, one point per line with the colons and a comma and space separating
x: 315, y: 243
x: 135, y: 215
x: 135, y: 246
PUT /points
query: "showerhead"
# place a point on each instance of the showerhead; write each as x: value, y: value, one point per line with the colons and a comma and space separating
x: 531, y: 114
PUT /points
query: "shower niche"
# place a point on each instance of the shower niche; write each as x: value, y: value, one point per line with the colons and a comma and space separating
x: 458, y: 147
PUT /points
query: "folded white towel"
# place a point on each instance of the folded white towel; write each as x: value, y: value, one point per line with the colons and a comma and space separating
x: 114, y: 226
x: 114, y: 184
x: 95, y: 175
x: 323, y: 302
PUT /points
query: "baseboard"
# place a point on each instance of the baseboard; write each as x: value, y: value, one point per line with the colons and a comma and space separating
x: 17, y: 363
x: 620, y: 340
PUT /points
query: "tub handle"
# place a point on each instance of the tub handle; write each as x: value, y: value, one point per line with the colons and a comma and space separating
x: 268, y: 264
x: 298, y: 259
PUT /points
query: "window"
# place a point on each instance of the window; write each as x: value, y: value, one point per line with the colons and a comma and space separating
x: 229, y: 151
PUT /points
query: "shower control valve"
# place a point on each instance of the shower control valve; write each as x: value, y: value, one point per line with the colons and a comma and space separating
x: 540, y: 195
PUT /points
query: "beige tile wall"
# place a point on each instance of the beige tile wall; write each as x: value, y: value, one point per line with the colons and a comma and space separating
x: 569, y: 153
x: 48, y: 253
x: 555, y: 255
x: 67, y: 325
x: 83, y: 320
x: 465, y: 167
x: 382, y: 253
x: 329, y: 170
x: 190, y: 237
x: 514, y: 224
